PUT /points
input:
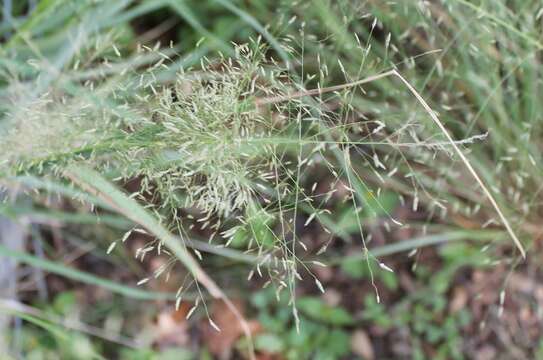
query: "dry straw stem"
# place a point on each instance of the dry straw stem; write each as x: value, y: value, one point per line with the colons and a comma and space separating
x: 277, y: 99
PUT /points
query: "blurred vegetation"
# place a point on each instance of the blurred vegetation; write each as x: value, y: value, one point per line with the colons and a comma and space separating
x: 477, y: 64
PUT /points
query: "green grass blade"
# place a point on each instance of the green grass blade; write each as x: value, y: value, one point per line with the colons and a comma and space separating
x: 422, y: 241
x: 74, y: 274
x: 257, y: 26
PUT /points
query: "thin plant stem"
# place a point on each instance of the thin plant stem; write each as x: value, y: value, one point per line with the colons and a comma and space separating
x: 433, y: 116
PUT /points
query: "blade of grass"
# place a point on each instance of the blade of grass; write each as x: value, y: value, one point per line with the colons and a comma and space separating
x: 74, y: 274
x: 244, y: 16
x: 503, y: 23
x: 50, y: 186
x: 30, y: 314
x: 47, y: 326
x: 185, y: 12
x: 422, y: 241
x: 53, y: 216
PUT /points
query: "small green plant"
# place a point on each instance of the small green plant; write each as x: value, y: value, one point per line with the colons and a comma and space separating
x: 425, y: 314
x: 322, y: 334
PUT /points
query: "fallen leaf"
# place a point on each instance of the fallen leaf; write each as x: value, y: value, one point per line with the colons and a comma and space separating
x: 486, y: 352
x: 172, y: 328
x: 361, y: 345
x: 459, y: 300
x: 220, y: 343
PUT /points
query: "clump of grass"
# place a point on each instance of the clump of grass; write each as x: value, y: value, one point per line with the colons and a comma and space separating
x: 189, y: 140
x: 237, y: 149
x: 203, y: 125
x: 229, y: 148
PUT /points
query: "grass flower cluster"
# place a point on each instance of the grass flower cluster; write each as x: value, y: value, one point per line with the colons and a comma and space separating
x: 228, y: 149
